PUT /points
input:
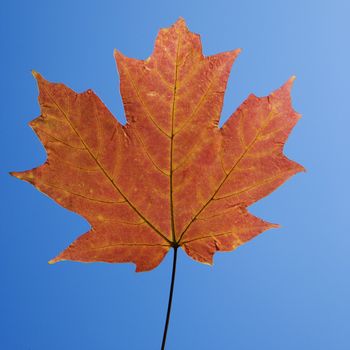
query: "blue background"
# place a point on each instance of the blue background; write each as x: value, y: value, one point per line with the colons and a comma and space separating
x: 287, y: 289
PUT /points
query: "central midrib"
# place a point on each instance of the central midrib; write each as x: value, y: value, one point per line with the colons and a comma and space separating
x: 172, y: 218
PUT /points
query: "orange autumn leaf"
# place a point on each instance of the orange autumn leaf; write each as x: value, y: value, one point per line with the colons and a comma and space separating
x: 170, y: 177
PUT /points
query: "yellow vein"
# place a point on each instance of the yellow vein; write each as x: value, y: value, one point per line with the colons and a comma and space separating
x: 222, y: 164
x: 114, y: 131
x: 192, y: 73
x: 240, y: 131
x: 78, y: 194
x: 143, y: 103
x: 107, y: 221
x: 162, y: 78
x: 260, y: 183
x: 172, y: 142
x: 148, y: 155
x: 111, y: 246
x: 187, y: 158
x: 198, y: 106
x: 213, y: 236
x: 221, y: 213
x: 99, y: 132
x: 274, y: 133
x: 58, y: 140
x: 72, y: 165
x: 190, y: 154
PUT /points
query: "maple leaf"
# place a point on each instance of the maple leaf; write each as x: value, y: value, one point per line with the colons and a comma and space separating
x: 170, y: 177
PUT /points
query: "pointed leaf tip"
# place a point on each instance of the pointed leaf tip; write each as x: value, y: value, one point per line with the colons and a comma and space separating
x: 35, y: 74
x: 275, y: 226
x: 180, y: 22
x: 21, y: 175
x: 289, y: 83
x: 53, y: 261
x: 117, y: 55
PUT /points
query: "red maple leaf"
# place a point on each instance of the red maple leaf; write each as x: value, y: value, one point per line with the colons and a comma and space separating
x: 170, y: 177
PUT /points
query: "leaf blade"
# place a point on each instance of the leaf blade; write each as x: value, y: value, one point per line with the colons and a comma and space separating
x: 170, y: 177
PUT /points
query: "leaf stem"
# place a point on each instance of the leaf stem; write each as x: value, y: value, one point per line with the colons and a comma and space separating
x: 170, y: 298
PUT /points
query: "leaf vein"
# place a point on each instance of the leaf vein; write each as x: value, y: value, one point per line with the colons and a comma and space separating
x: 143, y: 103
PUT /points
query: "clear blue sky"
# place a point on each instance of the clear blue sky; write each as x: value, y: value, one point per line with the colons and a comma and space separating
x: 287, y: 289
